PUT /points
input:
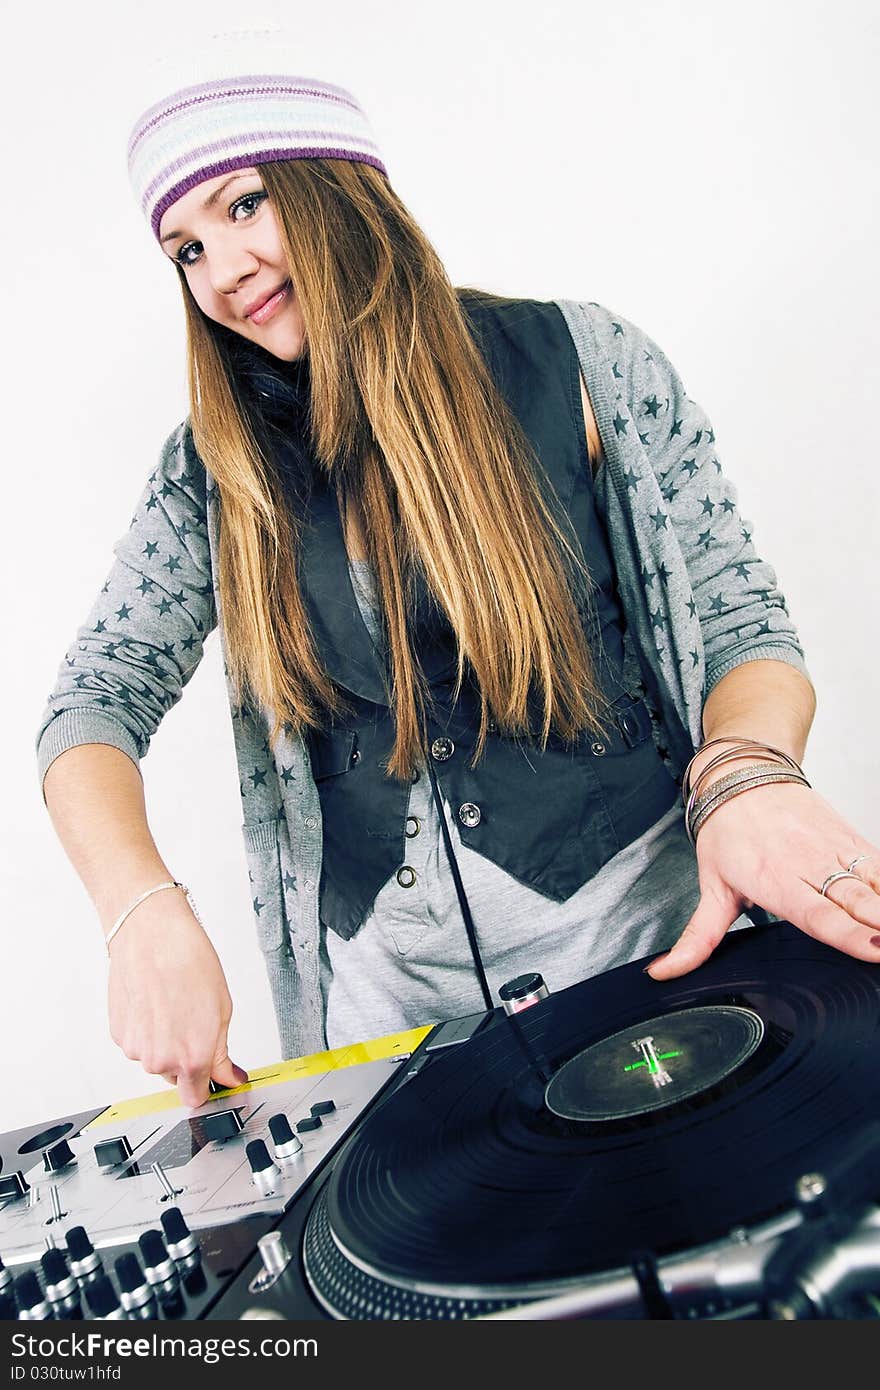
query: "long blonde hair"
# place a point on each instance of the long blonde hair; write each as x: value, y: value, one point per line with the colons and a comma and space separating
x: 408, y: 423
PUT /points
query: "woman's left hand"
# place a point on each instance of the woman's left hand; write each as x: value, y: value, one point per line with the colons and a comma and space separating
x: 774, y: 846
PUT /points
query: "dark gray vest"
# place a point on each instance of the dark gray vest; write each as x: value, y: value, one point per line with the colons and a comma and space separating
x: 551, y: 819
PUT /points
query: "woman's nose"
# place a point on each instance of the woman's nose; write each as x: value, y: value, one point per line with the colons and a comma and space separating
x: 229, y: 262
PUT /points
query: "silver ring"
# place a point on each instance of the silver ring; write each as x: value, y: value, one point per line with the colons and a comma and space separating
x: 832, y: 878
x: 858, y: 859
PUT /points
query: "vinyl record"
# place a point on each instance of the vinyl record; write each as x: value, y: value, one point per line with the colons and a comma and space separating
x: 618, y: 1116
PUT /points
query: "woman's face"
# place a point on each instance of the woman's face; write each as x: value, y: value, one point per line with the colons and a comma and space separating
x: 224, y: 234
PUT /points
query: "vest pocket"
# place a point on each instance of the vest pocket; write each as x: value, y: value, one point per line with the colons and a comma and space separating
x: 263, y: 853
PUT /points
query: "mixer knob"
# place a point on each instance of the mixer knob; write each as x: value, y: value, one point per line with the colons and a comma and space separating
x: 61, y: 1288
x: 111, y: 1152
x: 29, y: 1296
x: 158, y: 1265
x: 103, y: 1300
x: 58, y: 1156
x: 84, y: 1258
x: 283, y: 1137
x: 134, y: 1289
x: 262, y: 1167
x: 222, y: 1124
x: 178, y: 1236
x: 5, y: 1277
x: 13, y: 1185
x: 323, y: 1107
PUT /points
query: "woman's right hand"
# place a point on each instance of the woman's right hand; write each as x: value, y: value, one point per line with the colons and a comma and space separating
x: 169, y: 1005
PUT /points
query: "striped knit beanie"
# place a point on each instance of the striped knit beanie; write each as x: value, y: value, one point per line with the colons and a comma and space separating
x: 233, y: 103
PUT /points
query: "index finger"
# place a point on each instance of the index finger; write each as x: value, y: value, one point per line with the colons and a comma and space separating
x: 193, y: 1086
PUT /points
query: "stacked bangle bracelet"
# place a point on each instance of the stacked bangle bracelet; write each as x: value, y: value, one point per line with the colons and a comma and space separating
x: 699, y: 806
x: 172, y: 883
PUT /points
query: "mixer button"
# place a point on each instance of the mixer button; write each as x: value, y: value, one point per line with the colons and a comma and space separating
x: 222, y: 1124
x: 58, y: 1156
x: 310, y: 1122
x: 323, y: 1107
x: 13, y: 1185
x: 111, y: 1152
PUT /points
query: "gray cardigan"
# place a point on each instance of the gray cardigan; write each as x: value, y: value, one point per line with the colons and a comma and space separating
x: 697, y: 598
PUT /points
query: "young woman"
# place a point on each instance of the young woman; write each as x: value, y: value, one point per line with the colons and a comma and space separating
x: 511, y: 688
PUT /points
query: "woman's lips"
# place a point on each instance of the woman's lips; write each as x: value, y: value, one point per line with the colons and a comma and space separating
x: 266, y: 310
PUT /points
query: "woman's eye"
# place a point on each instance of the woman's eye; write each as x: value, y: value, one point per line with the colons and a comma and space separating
x: 249, y: 203
x: 183, y: 256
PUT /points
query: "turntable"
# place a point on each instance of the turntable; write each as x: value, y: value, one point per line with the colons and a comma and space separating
x: 704, y: 1148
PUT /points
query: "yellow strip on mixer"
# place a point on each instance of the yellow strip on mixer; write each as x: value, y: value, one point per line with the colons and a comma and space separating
x: 394, y: 1045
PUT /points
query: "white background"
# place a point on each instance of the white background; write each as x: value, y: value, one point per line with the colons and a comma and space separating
x: 706, y: 170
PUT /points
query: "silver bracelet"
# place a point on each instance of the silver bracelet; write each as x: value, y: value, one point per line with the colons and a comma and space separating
x: 742, y: 747
x: 731, y: 785
x: 764, y: 754
x: 172, y: 883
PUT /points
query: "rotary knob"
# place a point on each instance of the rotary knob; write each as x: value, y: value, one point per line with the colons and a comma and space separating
x: 61, y: 1287
x: 285, y: 1141
x: 134, y: 1287
x: 261, y: 1164
x: 103, y: 1300
x: 84, y: 1258
x: 178, y: 1237
x: 32, y: 1305
x: 158, y: 1265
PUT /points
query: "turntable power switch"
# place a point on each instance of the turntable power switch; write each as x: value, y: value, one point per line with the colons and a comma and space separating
x: 523, y: 992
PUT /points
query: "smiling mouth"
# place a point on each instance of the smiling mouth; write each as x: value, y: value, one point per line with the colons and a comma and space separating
x: 267, y: 309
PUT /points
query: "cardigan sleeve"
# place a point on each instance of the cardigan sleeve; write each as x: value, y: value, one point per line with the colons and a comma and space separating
x: 145, y: 634
x: 742, y: 612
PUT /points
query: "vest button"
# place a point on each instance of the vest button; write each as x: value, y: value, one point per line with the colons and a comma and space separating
x: 406, y: 876
x: 311, y: 823
x: 469, y: 814
x: 597, y: 748
x: 442, y: 748
x: 413, y: 826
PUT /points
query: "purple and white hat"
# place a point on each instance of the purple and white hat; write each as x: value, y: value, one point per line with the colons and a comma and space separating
x: 233, y: 103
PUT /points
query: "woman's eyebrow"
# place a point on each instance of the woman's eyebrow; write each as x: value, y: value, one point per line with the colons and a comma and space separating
x: 210, y: 200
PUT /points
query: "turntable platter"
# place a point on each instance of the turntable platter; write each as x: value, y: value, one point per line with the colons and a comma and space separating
x: 617, y: 1116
